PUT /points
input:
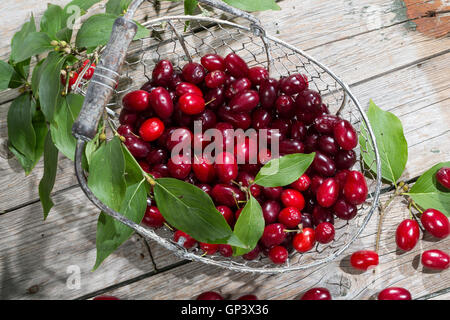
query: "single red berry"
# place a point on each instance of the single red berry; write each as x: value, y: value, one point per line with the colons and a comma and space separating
x: 162, y: 73
x: 193, y: 73
x: 257, y: 75
x: 295, y: 83
x: 324, y: 232
x: 228, y: 195
x: 105, y: 298
x: 203, y: 169
x: 209, y: 248
x: 316, y: 294
x: 407, y: 234
x: 355, y: 189
x: 272, y: 193
x: 161, y: 102
x: 226, y: 167
x: 271, y: 210
x: 364, y: 259
x: 252, y: 255
x: 443, y: 177
x: 213, y: 62
x: 394, y: 293
x: 248, y: 297
x: 273, y: 235
x: 191, y: 103
x: 186, y: 87
x: 179, y: 166
x: 225, y: 250
x: 278, y: 254
x: 290, y: 217
x: 151, y: 129
x: 227, y: 213
x: 210, y: 295
x: 305, y: 240
x: 328, y: 193
x: 136, y: 101
x: 302, y: 183
x: 137, y: 147
x: 237, y: 67
x: 183, y: 239
x: 89, y: 72
x: 153, y: 217
x: 293, y: 198
x: 435, y: 259
x: 345, y: 135
x: 344, y: 210
x: 215, y: 79
x: 436, y: 223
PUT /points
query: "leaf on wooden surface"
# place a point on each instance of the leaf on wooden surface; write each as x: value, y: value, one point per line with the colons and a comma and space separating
x: 391, y: 142
x: 18, y: 41
x: 34, y: 44
x: 6, y: 72
x: 253, y: 5
x: 48, y: 179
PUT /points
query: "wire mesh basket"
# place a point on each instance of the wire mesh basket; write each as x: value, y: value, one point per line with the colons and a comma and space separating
x: 172, y: 39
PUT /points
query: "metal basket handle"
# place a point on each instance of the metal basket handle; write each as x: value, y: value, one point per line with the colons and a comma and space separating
x: 106, y: 75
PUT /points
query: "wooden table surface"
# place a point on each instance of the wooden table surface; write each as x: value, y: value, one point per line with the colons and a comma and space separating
x: 377, y: 46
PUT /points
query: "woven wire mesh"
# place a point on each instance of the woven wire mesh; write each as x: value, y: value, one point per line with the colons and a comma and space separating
x: 173, y: 40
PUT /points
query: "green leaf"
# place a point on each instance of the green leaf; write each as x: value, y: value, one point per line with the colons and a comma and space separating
x: 18, y: 41
x: 92, y: 146
x: 20, y: 74
x: 21, y: 133
x: 190, y: 6
x: 96, y: 31
x: 253, y: 5
x: 48, y: 179
x: 428, y: 193
x: 64, y: 34
x: 50, y: 86
x: 188, y: 208
x: 391, y: 143
x: 249, y: 227
x: 117, y: 7
x: 61, y: 127
x: 36, y: 76
x: 133, y: 170
x: 53, y: 20
x: 284, y: 170
x: 36, y: 43
x: 84, y: 5
x: 106, y: 174
x: 112, y: 233
x: 6, y: 72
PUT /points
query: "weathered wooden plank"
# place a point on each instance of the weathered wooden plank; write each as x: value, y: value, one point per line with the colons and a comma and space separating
x: 422, y: 109
x: 38, y: 257
x: 396, y: 268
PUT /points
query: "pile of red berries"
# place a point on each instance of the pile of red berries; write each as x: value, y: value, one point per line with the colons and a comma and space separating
x: 224, y: 93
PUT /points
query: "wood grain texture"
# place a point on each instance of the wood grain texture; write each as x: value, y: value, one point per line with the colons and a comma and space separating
x: 36, y: 254
x: 395, y: 269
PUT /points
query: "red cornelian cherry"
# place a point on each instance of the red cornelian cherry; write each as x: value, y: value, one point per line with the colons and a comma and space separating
x: 324, y: 232
x: 345, y: 135
x: 226, y: 167
x: 344, y: 210
x: 245, y: 101
x: 252, y: 255
x: 236, y: 66
x: 257, y: 75
x: 293, y: 198
x: 213, y: 62
x: 355, y: 189
x: 268, y: 93
x: 224, y: 194
x: 161, y: 102
x: 191, y: 103
x: 435, y: 259
x: 272, y: 193
x: 328, y: 193
x: 210, y: 295
x: 162, y: 73
x: 443, y: 177
x: 305, y: 240
x: 215, y: 79
x: 302, y: 183
x: 273, y: 235
x: 227, y: 213
x: 271, y: 210
x: 89, y: 72
x: 137, y: 147
x: 136, y: 100
x: 278, y: 254
x: 179, y: 166
x: 436, y: 223
x: 151, y: 129
x: 394, y: 293
x: 225, y: 250
x: 316, y: 294
x: 407, y: 234
x: 183, y: 239
x: 209, y: 248
x: 193, y: 73
x: 293, y: 84
x: 290, y: 217
x: 203, y: 169
x: 186, y: 87
x: 364, y: 259
x: 237, y: 86
x: 153, y: 217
